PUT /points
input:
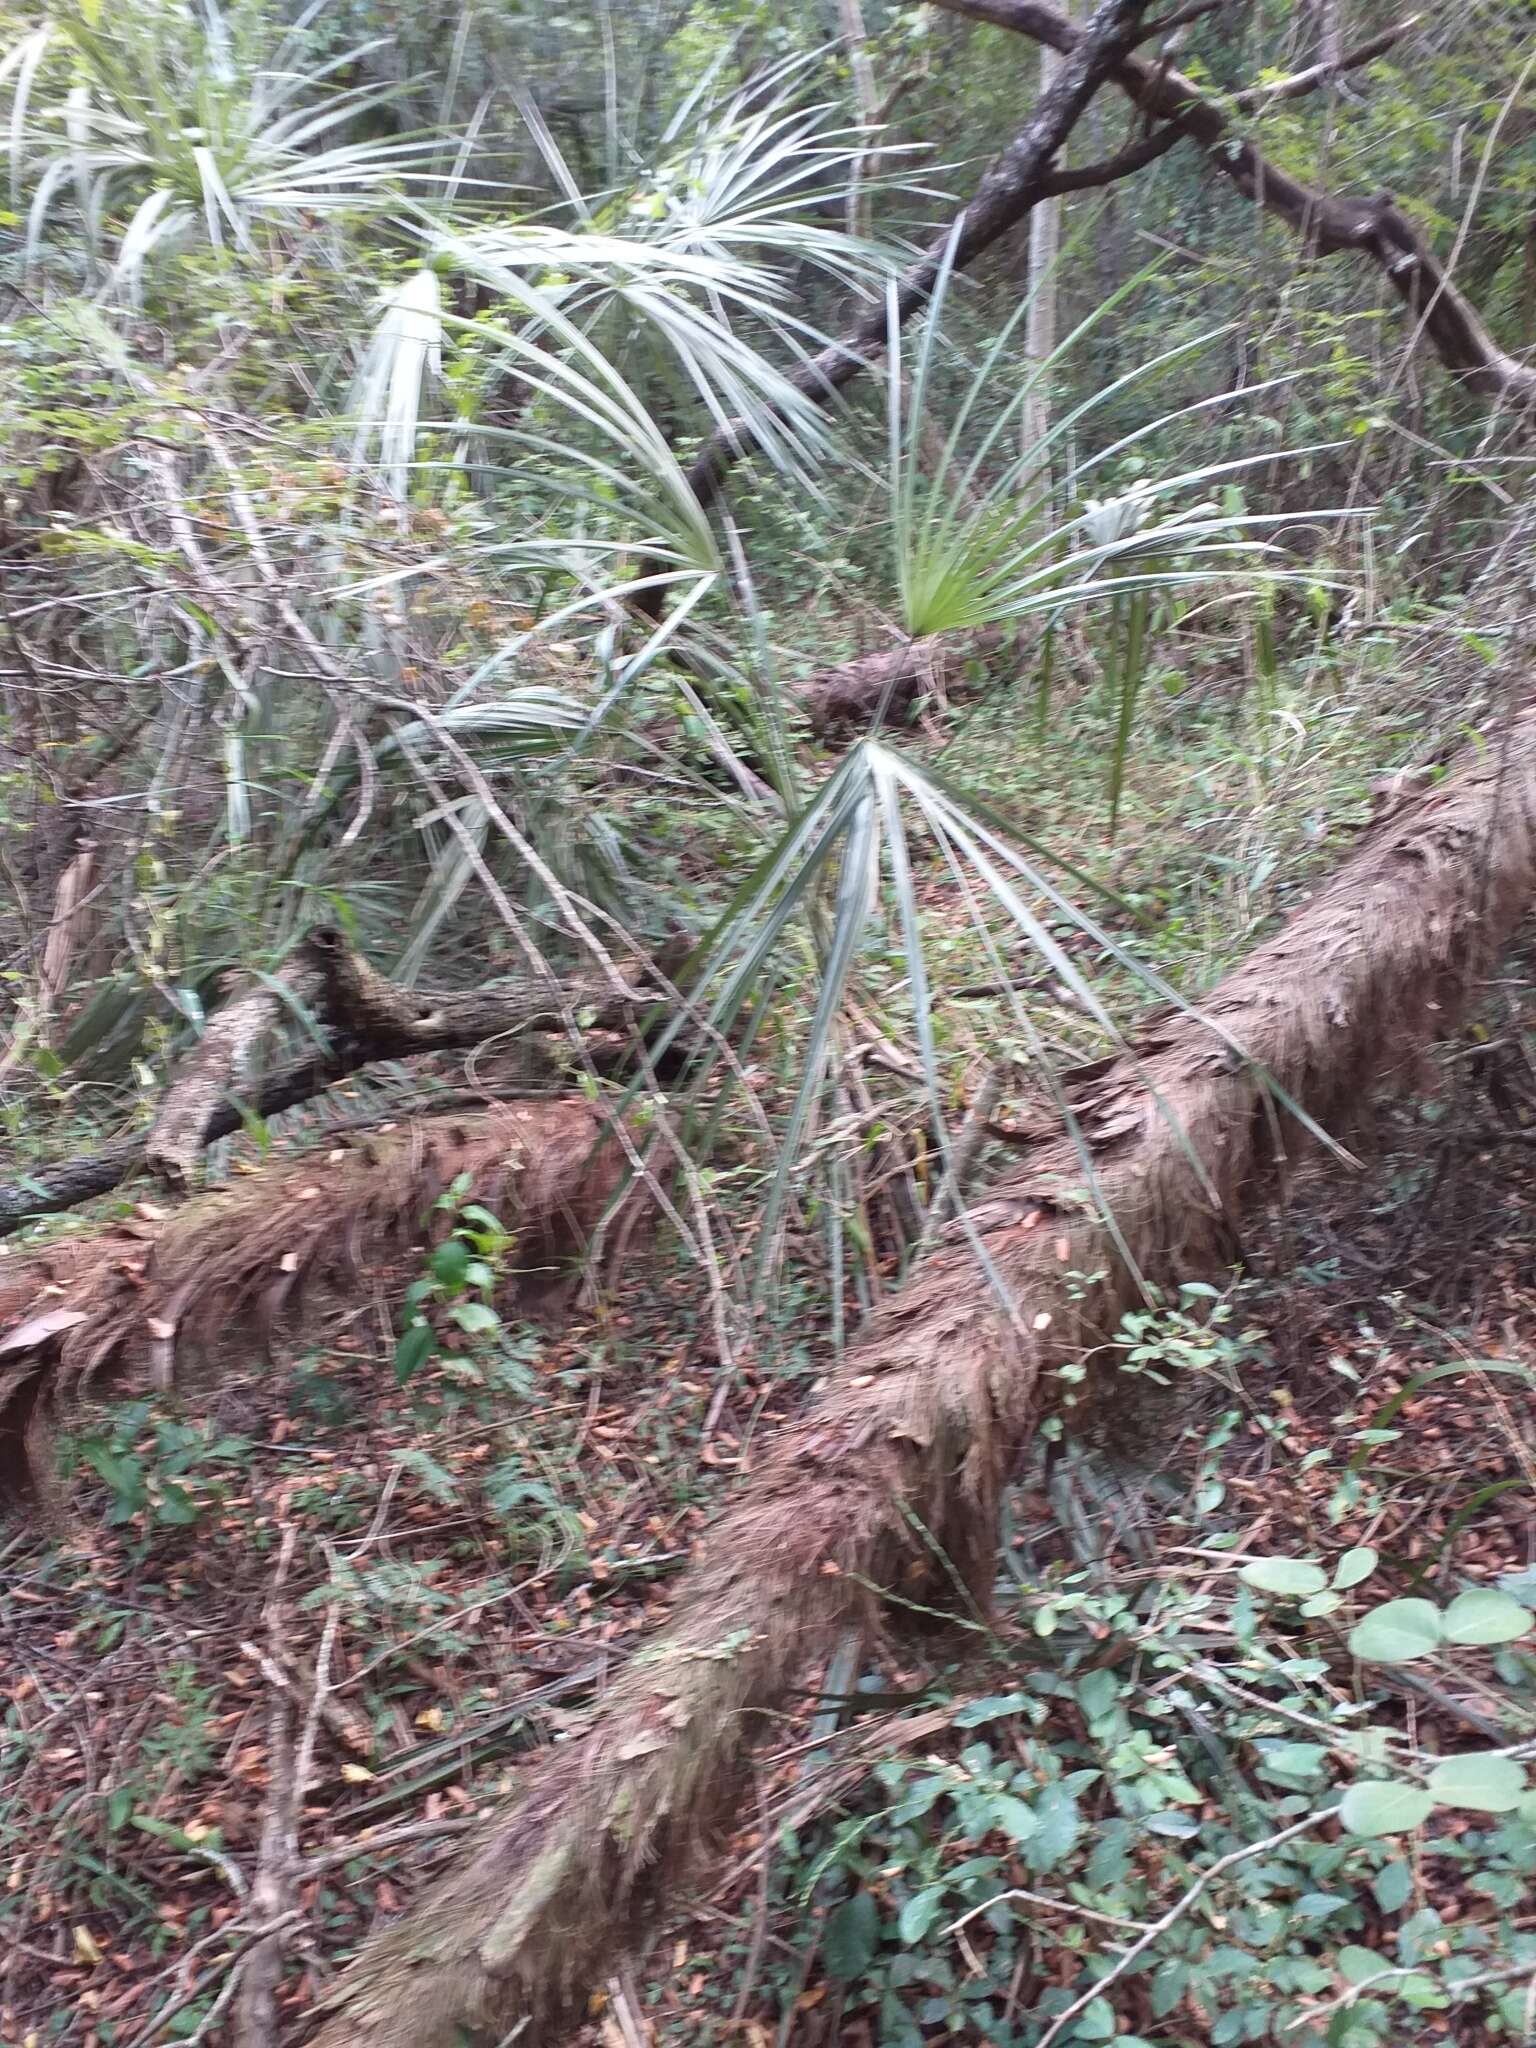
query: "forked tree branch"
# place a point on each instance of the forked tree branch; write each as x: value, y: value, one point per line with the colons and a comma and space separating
x: 1010, y: 186
x: 1375, y: 228
x: 1022, y: 175
x: 366, y: 1018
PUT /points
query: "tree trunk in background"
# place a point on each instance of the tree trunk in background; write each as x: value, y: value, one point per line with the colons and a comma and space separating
x: 850, y: 16
x: 1330, y: 34
x: 1040, y: 319
x: 901, y: 1461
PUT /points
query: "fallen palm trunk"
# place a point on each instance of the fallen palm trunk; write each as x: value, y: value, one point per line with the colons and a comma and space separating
x: 901, y: 1460
x: 885, y: 687
x: 118, y: 1303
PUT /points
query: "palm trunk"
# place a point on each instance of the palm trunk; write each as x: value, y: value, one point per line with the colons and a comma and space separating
x: 118, y: 1303
x: 903, y: 1457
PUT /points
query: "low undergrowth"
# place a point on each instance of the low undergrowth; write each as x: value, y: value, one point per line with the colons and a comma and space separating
x: 1132, y: 1802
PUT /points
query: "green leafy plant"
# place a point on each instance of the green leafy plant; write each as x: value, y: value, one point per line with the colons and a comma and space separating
x: 161, y: 1471
x: 1406, y: 1631
x: 459, y: 1285
x: 976, y: 539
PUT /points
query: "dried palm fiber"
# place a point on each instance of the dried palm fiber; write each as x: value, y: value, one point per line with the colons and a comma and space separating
x: 119, y: 1301
x: 905, y: 1452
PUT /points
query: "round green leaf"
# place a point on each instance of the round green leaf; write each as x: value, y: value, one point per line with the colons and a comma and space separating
x: 1421, y: 1992
x: 1384, y: 1807
x: 1486, y: 1616
x: 1354, y: 1566
x: 450, y: 1263
x: 1294, y: 1759
x: 1288, y: 1576
x: 1397, y: 1632
x: 1479, y: 1781
x: 475, y: 1317
x: 1392, y: 1886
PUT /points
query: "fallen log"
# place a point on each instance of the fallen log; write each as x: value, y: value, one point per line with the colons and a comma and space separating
x: 885, y: 687
x: 367, y: 1018
x: 901, y: 1461
x: 118, y: 1304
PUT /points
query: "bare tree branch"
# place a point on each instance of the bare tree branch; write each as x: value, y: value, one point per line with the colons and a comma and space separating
x: 367, y: 1018
x: 1009, y: 188
x: 1328, y: 225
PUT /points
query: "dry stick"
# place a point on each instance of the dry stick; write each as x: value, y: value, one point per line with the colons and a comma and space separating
x: 1176, y: 1912
x: 892, y: 1480
x: 152, y: 2034
x: 272, y: 1890
x: 1327, y: 224
x: 972, y: 1136
x: 1051, y: 1906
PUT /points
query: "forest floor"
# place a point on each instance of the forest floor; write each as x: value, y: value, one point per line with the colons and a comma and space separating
x: 420, y: 1582
x: 412, y: 1585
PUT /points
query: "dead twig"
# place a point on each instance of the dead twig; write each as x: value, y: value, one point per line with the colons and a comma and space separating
x: 272, y: 1889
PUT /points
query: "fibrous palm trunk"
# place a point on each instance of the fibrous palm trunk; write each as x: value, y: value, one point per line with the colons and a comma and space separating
x: 903, y: 1457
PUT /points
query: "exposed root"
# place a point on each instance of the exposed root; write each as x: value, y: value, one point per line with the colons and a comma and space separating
x: 120, y: 1301
x: 900, y: 1463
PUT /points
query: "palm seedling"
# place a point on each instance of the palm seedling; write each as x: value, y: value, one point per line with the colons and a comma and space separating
x: 976, y: 539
